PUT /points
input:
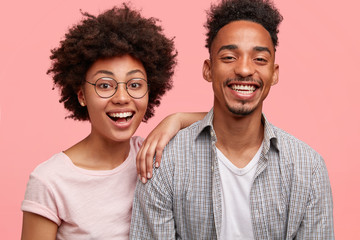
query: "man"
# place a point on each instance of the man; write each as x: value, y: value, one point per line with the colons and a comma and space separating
x: 233, y: 175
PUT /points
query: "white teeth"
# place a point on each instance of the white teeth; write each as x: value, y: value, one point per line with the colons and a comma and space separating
x: 121, y: 115
x: 243, y: 88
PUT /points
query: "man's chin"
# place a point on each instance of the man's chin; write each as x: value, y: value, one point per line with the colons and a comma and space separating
x: 241, y: 112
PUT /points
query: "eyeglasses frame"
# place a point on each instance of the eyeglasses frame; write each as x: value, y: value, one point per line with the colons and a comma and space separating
x: 117, y: 86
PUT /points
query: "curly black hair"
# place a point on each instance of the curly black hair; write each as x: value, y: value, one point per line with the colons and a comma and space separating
x: 259, y: 11
x: 116, y: 32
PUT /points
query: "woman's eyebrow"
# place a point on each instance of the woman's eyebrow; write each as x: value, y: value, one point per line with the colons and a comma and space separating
x: 135, y: 71
x: 104, y: 72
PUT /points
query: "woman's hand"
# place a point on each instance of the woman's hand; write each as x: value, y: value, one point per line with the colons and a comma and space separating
x: 156, y: 141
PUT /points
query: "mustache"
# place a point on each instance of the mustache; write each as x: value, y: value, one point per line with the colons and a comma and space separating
x: 243, y: 79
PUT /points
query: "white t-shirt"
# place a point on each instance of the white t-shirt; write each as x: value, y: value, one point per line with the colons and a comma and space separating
x: 85, y: 204
x: 236, y: 185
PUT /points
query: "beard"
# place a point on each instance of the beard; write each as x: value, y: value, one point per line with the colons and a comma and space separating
x: 240, y: 111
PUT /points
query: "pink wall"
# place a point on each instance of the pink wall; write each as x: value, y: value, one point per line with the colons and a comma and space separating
x: 315, y: 100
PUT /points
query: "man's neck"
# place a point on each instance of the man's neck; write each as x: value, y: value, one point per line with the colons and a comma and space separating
x: 238, y: 137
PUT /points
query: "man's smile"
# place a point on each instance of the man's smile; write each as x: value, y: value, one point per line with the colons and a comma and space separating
x: 242, y: 88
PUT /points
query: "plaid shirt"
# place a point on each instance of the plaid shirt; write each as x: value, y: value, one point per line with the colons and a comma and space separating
x: 290, y: 197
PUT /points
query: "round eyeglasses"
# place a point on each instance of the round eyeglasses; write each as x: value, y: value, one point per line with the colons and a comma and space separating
x: 106, y: 87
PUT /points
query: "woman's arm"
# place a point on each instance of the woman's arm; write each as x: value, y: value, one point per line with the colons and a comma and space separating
x: 158, y: 138
x: 36, y: 227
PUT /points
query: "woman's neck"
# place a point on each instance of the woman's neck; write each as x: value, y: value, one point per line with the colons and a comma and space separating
x: 97, y: 153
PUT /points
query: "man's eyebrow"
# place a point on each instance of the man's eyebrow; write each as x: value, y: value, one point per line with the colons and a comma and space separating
x: 228, y: 47
x: 262, y: 49
x: 233, y: 46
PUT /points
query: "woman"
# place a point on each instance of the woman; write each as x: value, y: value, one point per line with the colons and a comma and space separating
x: 112, y: 70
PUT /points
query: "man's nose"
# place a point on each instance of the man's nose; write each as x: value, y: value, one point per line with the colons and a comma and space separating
x: 244, y: 67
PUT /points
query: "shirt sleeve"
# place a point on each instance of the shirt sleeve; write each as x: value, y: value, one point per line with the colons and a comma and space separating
x: 318, y: 219
x: 152, y: 215
x: 39, y: 199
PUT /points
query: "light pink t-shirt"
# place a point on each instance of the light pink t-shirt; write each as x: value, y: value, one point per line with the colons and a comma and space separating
x: 85, y: 204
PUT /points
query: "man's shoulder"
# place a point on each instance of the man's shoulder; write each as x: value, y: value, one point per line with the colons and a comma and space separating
x: 294, y: 155
x: 181, y: 148
x: 187, y: 135
x: 289, y: 143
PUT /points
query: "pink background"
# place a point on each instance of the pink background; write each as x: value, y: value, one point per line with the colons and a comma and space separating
x: 315, y: 99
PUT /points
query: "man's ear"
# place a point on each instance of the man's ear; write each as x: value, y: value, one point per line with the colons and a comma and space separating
x: 207, y: 70
x: 81, y: 97
x: 275, y: 77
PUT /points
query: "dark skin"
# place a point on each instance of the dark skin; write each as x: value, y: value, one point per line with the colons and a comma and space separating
x: 242, y: 57
x: 244, y: 50
x: 37, y: 227
x: 108, y: 143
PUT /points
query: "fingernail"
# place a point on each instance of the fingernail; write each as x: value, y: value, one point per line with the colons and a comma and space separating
x: 148, y: 175
x: 143, y: 180
x: 156, y: 164
x: 139, y: 176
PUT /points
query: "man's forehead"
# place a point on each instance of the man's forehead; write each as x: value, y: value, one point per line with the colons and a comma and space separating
x: 245, y: 33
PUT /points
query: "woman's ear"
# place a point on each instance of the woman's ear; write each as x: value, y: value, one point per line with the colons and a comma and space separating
x: 81, y: 97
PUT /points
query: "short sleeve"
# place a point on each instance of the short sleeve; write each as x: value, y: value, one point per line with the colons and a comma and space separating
x: 137, y: 142
x: 40, y: 200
